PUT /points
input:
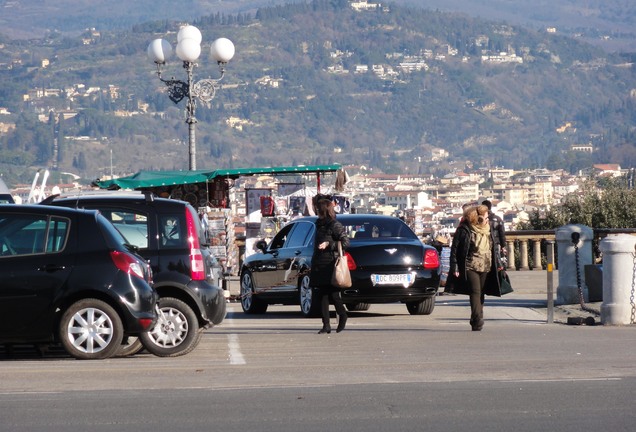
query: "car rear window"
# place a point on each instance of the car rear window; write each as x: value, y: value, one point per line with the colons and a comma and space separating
x: 173, y: 232
x: 114, y: 239
x: 132, y: 225
x: 360, y: 229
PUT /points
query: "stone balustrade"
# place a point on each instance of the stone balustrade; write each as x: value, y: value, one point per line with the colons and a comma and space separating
x: 534, y: 243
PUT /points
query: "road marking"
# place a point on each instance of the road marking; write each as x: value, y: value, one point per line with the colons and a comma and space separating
x: 234, y: 348
x: 236, y: 357
x: 563, y: 380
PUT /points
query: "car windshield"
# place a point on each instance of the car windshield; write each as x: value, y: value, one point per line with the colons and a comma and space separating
x: 365, y: 228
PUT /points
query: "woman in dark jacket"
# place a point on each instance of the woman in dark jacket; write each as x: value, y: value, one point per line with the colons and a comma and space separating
x: 328, y: 233
x: 473, y: 262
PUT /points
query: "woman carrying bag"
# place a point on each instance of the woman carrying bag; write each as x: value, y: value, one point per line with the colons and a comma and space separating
x: 474, y: 263
x: 328, y: 233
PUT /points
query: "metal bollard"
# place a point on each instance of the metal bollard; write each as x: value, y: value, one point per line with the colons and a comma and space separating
x: 550, y: 258
x: 618, y: 279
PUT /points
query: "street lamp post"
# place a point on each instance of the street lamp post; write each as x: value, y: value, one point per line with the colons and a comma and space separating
x: 188, y: 50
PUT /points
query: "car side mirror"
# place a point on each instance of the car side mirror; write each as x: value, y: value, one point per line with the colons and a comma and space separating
x: 261, y: 245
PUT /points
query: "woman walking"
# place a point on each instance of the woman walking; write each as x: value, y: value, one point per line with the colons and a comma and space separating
x: 473, y: 262
x: 328, y: 233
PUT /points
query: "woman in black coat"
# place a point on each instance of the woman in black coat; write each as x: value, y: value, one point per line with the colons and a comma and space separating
x: 328, y: 233
x: 474, y: 263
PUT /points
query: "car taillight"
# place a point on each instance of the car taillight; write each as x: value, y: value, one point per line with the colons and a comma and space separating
x: 431, y: 259
x: 350, y: 262
x: 127, y: 263
x: 197, y: 266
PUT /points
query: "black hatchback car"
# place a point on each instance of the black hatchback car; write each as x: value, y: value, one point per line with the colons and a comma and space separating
x: 167, y: 233
x: 69, y: 277
x: 387, y: 260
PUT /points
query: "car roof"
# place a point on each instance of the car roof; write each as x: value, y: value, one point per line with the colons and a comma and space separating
x: 43, y: 209
x: 345, y: 217
x: 129, y: 197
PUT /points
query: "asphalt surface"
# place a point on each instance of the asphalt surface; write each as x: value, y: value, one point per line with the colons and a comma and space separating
x: 388, y: 371
x: 530, y: 298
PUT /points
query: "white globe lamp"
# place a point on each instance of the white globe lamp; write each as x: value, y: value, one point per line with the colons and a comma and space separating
x: 222, y: 50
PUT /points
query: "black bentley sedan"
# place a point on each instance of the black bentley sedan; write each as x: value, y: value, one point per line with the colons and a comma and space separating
x: 388, y: 264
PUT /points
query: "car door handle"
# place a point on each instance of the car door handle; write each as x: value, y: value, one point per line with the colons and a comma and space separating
x: 50, y: 268
x: 298, y: 252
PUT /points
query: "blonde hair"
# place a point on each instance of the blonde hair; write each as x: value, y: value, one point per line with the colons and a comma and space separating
x: 482, y: 213
x: 470, y: 215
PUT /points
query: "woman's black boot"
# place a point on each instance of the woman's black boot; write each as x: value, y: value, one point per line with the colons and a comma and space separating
x: 325, y: 329
x: 342, y: 321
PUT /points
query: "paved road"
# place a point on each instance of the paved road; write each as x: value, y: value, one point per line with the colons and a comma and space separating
x: 387, y: 371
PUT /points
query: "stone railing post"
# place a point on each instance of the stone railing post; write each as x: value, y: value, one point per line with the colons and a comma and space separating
x: 510, y: 245
x: 618, y: 279
x: 536, y: 254
x: 569, y: 274
x: 523, y: 255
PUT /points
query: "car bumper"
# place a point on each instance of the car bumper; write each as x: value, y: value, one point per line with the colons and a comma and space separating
x: 211, y: 301
x: 139, y: 302
x: 426, y: 285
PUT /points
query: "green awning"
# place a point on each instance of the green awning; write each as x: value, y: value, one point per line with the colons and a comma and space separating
x: 238, y: 172
x: 148, y: 179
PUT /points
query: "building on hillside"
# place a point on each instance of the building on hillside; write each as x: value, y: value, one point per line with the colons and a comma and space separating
x: 613, y: 170
x: 502, y: 57
x: 585, y: 148
x: 459, y: 193
x: 500, y: 174
x: 405, y: 200
x: 364, y: 5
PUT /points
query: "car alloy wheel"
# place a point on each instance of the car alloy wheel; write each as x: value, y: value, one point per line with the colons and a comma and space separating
x: 305, y: 296
x: 176, y: 332
x: 90, y: 329
x: 249, y: 302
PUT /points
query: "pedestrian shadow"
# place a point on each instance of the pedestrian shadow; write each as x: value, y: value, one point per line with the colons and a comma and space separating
x: 497, y: 302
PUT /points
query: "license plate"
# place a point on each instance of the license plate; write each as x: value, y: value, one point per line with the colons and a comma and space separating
x: 405, y: 279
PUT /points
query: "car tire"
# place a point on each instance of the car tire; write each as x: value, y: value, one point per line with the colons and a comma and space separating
x: 309, y: 305
x: 130, y: 346
x: 424, y: 307
x: 250, y: 303
x: 358, y: 307
x: 177, y: 330
x: 90, y: 329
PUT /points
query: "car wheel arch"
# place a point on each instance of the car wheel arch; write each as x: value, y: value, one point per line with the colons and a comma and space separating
x: 64, y: 304
x: 170, y: 290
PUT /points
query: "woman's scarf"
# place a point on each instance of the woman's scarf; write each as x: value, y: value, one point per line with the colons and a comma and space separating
x: 482, y: 238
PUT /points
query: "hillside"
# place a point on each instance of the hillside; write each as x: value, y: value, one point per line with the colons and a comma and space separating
x: 610, y: 24
x: 322, y: 83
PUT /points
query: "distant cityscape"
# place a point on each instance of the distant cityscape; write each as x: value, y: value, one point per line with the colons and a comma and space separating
x: 428, y: 203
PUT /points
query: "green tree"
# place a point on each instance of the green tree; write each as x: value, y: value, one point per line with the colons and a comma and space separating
x: 604, y: 203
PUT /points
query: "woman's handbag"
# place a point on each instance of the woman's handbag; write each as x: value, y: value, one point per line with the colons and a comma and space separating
x: 341, y: 278
x: 504, y: 282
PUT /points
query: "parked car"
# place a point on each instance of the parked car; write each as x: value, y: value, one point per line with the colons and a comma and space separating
x: 69, y: 277
x: 388, y: 263
x: 167, y: 233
